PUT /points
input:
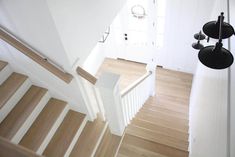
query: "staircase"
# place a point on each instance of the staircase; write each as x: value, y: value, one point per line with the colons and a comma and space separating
x: 31, y: 118
x: 160, y: 128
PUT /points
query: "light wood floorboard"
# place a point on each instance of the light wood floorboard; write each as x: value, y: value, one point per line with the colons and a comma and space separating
x: 86, y: 143
x: 18, y: 115
x: 10, y: 86
x: 2, y: 65
x: 42, y: 125
x: 64, y: 134
x: 109, y: 145
x: 128, y: 71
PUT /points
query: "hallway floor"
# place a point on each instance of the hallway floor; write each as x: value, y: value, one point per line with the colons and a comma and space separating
x: 128, y: 71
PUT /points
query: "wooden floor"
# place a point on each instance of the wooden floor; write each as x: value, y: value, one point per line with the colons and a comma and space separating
x: 160, y: 128
x: 128, y: 71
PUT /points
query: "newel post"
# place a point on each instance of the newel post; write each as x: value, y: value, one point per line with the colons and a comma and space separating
x: 108, y: 85
x: 152, y: 68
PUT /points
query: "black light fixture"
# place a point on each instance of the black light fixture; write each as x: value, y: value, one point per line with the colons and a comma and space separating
x: 217, y: 57
x: 199, y: 36
x: 212, y: 28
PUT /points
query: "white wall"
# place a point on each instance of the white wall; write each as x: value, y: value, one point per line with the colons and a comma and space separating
x: 61, y: 30
x: 32, y: 22
x: 81, y: 24
x: 232, y: 94
x: 208, y: 113
x: 208, y: 106
x: 41, y: 77
x: 95, y: 59
x: 183, y: 18
x: 141, y: 33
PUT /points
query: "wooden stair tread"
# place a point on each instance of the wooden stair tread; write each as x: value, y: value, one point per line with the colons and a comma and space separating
x: 121, y: 155
x: 166, y: 116
x: 157, y: 137
x: 169, y: 110
x: 64, y: 134
x: 10, y: 86
x: 160, y: 129
x: 130, y: 150
x: 153, y: 147
x: 3, y: 64
x: 88, y: 139
x: 162, y: 122
x: 42, y: 125
x: 109, y: 145
x: 18, y: 115
x: 9, y: 149
x: 160, y: 98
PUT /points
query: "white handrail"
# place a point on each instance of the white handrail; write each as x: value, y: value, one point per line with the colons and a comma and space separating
x: 136, y: 83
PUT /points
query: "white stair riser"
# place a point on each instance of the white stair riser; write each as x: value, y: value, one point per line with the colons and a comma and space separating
x: 27, y: 124
x: 99, y: 140
x: 5, y: 73
x: 10, y: 104
x: 75, y: 138
x: 52, y: 131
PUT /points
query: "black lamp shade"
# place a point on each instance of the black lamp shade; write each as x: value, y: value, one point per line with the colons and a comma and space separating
x: 197, y: 46
x: 211, y: 29
x: 199, y: 36
x: 215, y: 58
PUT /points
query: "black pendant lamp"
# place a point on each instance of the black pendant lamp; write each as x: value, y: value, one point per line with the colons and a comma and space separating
x: 217, y: 57
x: 199, y: 36
x: 213, y: 28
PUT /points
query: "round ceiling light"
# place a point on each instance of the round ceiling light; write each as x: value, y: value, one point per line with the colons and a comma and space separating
x: 138, y: 11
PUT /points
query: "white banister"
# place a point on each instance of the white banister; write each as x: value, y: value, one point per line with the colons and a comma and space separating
x: 108, y: 85
x: 121, y: 107
x: 134, y: 96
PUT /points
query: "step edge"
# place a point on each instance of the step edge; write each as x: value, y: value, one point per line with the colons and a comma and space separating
x: 134, y: 126
x: 187, y: 151
x: 99, y: 139
x: 76, y: 137
x: 162, y: 133
x: 52, y: 131
x: 15, y: 98
x: 5, y: 73
x: 162, y: 126
x: 31, y: 118
x: 120, y: 143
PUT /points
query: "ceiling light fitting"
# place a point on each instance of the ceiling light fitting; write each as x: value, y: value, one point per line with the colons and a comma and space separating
x: 138, y: 11
x: 215, y: 57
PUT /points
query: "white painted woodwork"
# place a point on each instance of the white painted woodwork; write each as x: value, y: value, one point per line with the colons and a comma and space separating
x: 75, y: 24
x: 99, y: 140
x: 24, y: 128
x: 90, y: 110
x: 52, y: 131
x: 10, y: 104
x: 75, y: 138
x: 108, y: 84
x: 121, y: 107
x: 134, y: 98
x: 5, y: 73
